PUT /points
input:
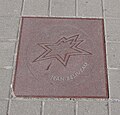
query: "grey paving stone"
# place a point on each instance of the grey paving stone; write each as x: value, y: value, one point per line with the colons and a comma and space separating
x: 5, y: 81
x: 25, y: 107
x: 113, y: 53
x: 89, y: 8
x: 113, y: 29
x: 59, y: 108
x: 35, y: 7
x: 114, y: 108
x: 63, y: 7
x: 112, y: 8
x: 10, y: 7
x: 6, y: 54
x: 3, y: 107
x: 114, y: 83
x: 92, y: 108
x: 8, y: 28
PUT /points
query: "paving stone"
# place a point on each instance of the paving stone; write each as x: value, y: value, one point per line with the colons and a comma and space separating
x: 92, y: 108
x: 35, y: 7
x: 3, y: 107
x: 113, y: 52
x: 114, y: 108
x: 59, y: 108
x: 113, y: 29
x: 112, y: 8
x: 5, y: 81
x: 114, y: 82
x: 8, y: 28
x: 68, y: 45
x: 10, y: 7
x: 89, y: 8
x: 6, y: 54
x: 63, y: 8
x: 25, y: 107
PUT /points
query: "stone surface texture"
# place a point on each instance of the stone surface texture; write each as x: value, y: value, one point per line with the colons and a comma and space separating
x: 11, y: 12
x: 60, y: 57
x: 59, y: 108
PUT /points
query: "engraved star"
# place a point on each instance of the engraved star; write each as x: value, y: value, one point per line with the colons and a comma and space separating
x: 62, y: 50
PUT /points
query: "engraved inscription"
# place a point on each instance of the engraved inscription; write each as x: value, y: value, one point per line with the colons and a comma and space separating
x: 70, y: 77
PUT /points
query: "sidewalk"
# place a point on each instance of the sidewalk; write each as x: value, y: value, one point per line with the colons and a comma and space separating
x: 11, y: 12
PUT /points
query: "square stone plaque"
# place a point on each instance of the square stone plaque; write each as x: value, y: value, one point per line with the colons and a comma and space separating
x: 62, y: 58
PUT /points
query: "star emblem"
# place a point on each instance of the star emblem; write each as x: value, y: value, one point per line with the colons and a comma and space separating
x: 62, y: 50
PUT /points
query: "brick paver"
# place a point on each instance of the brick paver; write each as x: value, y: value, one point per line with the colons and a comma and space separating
x: 10, y: 7
x: 25, y: 107
x: 35, y: 7
x: 114, y: 107
x: 113, y: 30
x: 6, y: 54
x: 92, y: 8
x: 113, y: 53
x: 114, y: 77
x: 91, y: 107
x: 5, y: 81
x: 111, y: 8
x: 59, y: 108
x: 63, y: 8
x: 3, y: 107
x: 8, y: 28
